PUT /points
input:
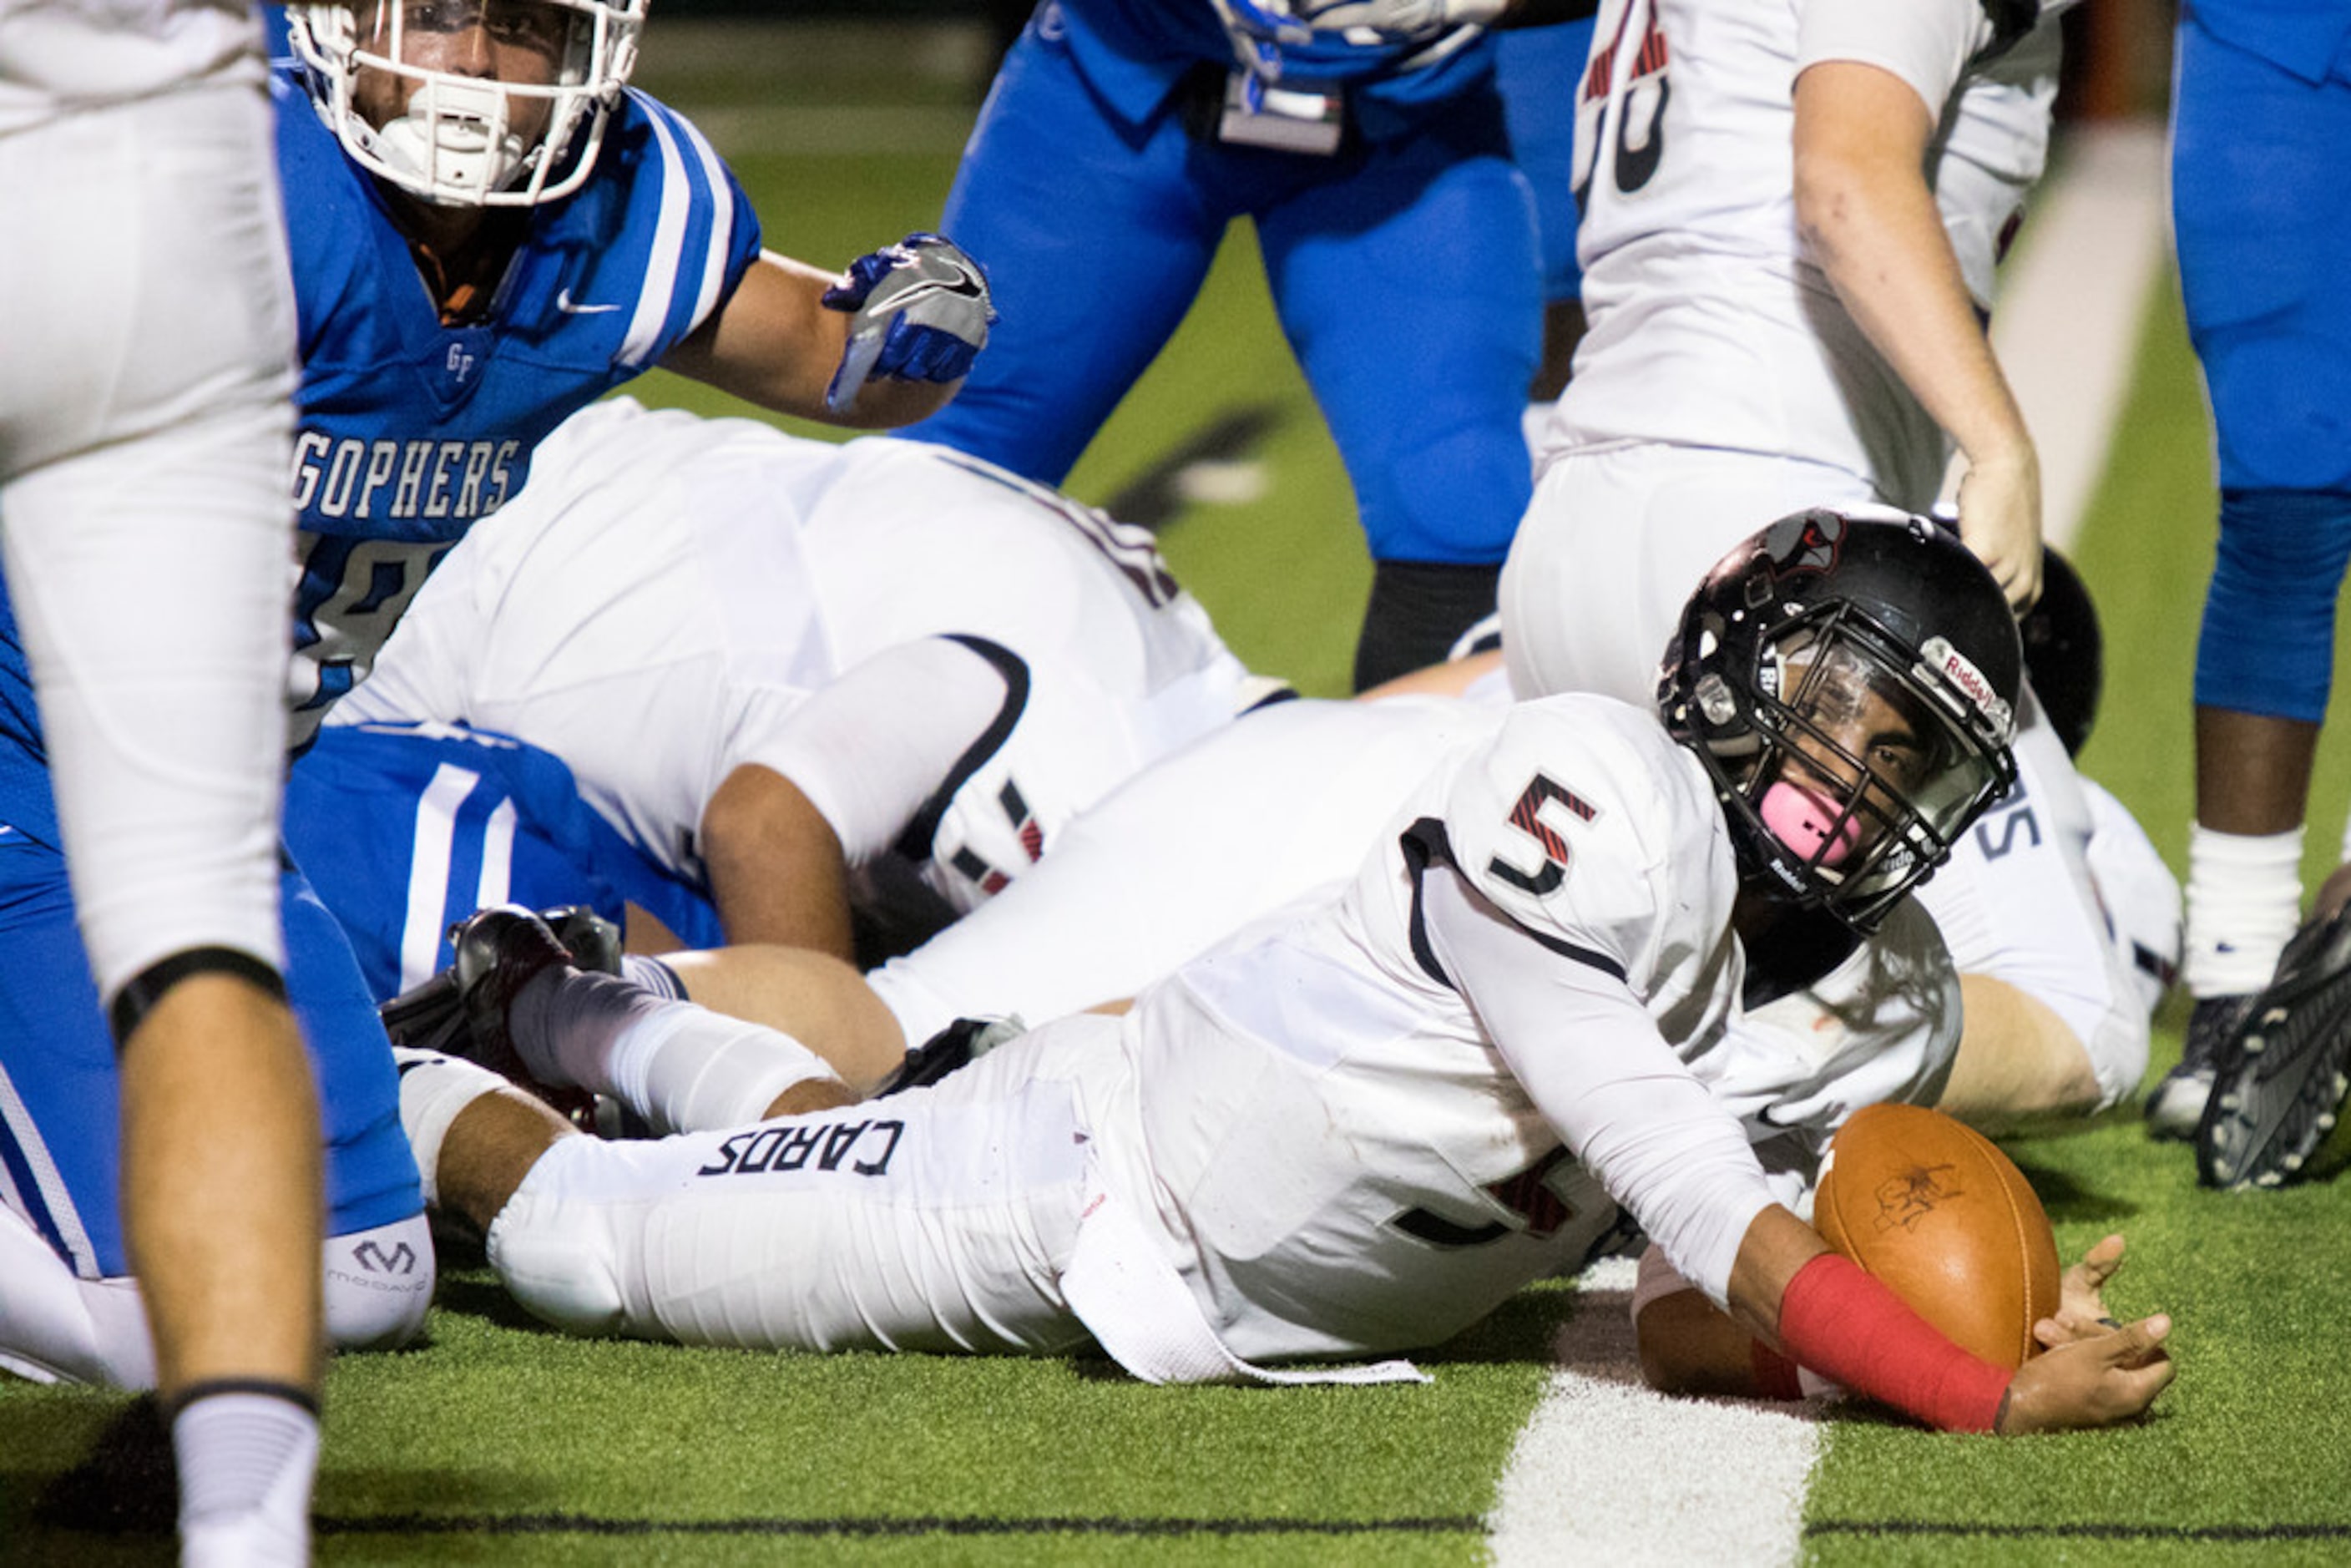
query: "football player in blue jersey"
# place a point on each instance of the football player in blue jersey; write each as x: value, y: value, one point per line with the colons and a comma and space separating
x: 473, y: 262
x: 487, y: 231
x: 1366, y: 144
x: 2262, y: 114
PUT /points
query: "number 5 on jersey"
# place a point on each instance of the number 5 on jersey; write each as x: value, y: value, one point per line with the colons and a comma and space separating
x: 1526, y: 816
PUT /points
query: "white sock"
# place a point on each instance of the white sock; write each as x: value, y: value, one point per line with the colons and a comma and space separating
x: 433, y: 1089
x: 2244, y: 899
x: 688, y: 1070
x: 246, y: 1459
x: 683, y: 1068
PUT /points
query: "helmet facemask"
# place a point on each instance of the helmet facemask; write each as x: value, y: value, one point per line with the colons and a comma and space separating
x: 506, y: 100
x: 1848, y: 757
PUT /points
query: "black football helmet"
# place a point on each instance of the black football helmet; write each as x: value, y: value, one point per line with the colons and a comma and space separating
x: 1850, y: 684
x: 2065, y: 651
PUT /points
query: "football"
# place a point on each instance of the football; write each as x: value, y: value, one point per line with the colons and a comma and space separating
x: 1946, y: 1221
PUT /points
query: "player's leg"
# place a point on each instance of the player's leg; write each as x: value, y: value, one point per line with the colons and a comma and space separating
x: 56, y: 1326
x: 808, y: 996
x: 380, y: 1266
x: 938, y: 1219
x: 1407, y: 287
x: 1095, y: 241
x: 513, y: 1000
x: 1277, y: 804
x: 2256, y: 200
x: 2057, y: 1021
x: 167, y: 744
x: 62, y: 1134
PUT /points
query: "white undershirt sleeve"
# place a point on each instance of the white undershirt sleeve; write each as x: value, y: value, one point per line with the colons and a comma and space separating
x: 1595, y: 1063
x: 871, y: 749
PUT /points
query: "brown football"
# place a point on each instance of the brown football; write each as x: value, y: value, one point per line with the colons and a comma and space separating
x: 1949, y: 1224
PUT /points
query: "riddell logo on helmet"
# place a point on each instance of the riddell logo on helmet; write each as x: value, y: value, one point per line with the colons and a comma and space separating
x: 1960, y: 672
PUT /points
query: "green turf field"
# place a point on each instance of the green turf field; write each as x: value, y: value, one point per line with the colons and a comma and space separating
x: 498, y: 1442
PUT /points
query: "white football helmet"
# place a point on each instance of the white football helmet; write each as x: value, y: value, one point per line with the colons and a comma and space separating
x: 455, y: 143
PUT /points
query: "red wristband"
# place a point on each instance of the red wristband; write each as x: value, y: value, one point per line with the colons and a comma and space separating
x: 1776, y: 1376
x: 1844, y: 1324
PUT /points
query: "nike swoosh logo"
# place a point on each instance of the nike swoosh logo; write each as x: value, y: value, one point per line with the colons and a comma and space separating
x: 564, y: 303
x: 963, y: 284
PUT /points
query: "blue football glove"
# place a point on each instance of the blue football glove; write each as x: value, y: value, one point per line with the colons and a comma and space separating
x: 921, y: 313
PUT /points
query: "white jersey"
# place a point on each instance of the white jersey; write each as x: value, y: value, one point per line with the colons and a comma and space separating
x: 1368, y: 1124
x: 63, y: 56
x: 1710, y: 326
x: 1354, y: 1128
x: 660, y: 602
x: 1273, y: 808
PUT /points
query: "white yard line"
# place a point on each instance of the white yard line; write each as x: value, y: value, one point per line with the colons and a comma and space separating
x: 1605, y: 1471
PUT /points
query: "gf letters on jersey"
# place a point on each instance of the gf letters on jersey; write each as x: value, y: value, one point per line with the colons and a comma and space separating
x: 394, y: 479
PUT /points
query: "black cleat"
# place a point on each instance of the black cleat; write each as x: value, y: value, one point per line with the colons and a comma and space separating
x: 958, y: 1046
x: 2277, y: 1095
x: 2177, y: 1102
x: 462, y: 1010
x: 593, y: 942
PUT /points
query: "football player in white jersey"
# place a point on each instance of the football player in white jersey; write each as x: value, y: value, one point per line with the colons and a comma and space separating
x: 1791, y: 217
x: 1358, y: 1127
x: 719, y: 628
x: 145, y: 432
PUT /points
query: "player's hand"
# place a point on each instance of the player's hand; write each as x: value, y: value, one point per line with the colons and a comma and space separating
x: 2000, y: 519
x: 2101, y: 1381
x: 2081, y: 1298
x: 1410, y: 18
x: 919, y: 313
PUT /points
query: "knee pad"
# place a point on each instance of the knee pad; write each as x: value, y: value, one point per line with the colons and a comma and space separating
x: 379, y: 1282
x: 2268, y: 642
x: 555, y: 1255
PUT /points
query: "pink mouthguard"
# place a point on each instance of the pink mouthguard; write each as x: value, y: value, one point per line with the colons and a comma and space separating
x: 1802, y: 820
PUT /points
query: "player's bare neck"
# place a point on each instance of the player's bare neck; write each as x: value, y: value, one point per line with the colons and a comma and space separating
x: 462, y: 254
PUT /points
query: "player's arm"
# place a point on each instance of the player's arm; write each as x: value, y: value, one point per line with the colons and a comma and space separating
x: 1592, y: 1061
x: 1869, y: 220
x: 884, y: 344
x: 838, y: 778
x: 775, y: 865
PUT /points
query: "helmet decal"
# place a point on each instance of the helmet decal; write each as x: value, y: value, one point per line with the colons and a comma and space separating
x: 1807, y: 543
x: 1956, y: 670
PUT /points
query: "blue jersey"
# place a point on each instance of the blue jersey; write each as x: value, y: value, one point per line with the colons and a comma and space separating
x: 1135, y: 52
x: 2310, y: 39
x: 412, y: 430
x: 405, y: 830
x: 409, y: 431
